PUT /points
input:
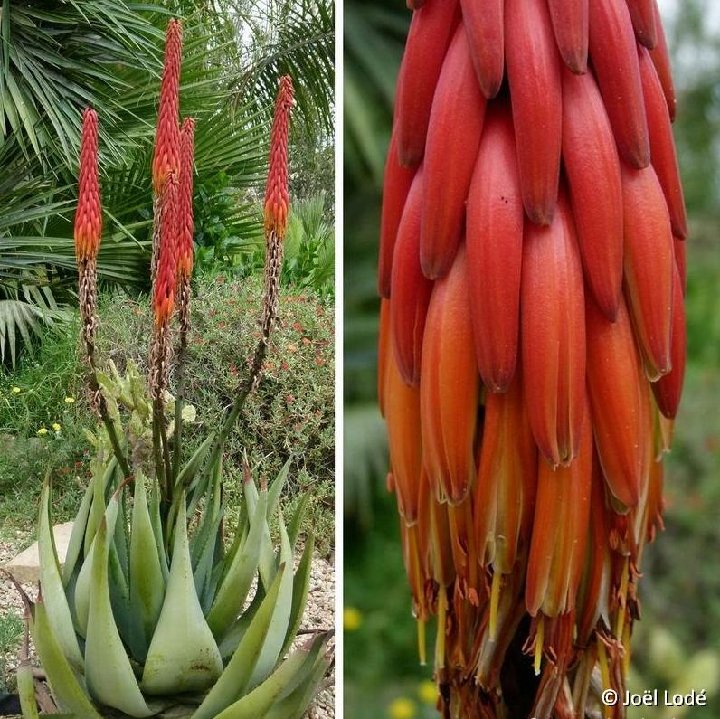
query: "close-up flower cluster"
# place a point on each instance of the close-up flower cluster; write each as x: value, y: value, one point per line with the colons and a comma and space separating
x: 532, y: 341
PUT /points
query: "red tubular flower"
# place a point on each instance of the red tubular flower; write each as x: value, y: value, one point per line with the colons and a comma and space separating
x: 533, y: 69
x: 661, y: 60
x: 662, y: 144
x: 494, y: 245
x: 277, y: 196
x: 614, y: 53
x: 411, y: 289
x: 430, y: 32
x: 167, y: 134
x: 614, y: 386
x: 648, y: 264
x: 589, y: 150
x: 484, y: 24
x: 570, y: 24
x: 166, y: 280
x: 397, y: 182
x: 88, y: 216
x: 186, y: 227
x: 453, y: 136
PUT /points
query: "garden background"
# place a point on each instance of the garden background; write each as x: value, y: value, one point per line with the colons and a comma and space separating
x: 677, y: 643
x: 59, y: 57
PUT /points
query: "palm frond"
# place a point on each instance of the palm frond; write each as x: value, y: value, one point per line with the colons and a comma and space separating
x: 296, y: 38
x: 374, y: 40
x: 24, y: 316
x: 60, y: 57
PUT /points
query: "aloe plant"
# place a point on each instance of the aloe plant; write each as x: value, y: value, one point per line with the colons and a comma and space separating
x: 155, y: 611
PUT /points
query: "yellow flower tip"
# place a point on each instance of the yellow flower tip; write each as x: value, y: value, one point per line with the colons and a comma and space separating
x: 352, y: 619
x: 16, y: 390
x: 428, y: 693
x: 56, y: 426
x: 69, y: 400
x: 401, y: 708
x: 42, y: 431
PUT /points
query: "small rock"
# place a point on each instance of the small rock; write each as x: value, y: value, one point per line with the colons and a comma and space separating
x: 25, y: 567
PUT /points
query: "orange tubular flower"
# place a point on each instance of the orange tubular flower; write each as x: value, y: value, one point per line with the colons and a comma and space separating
x: 506, y: 481
x: 532, y: 338
x: 165, y: 282
x: 88, y: 216
x: 553, y: 342
x: 186, y: 227
x: 277, y: 197
x: 449, y: 386
x: 167, y: 135
x: 559, y: 533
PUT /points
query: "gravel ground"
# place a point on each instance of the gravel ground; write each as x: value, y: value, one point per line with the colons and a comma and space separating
x: 319, y: 614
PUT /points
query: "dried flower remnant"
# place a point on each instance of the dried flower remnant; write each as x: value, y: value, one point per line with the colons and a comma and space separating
x: 532, y: 341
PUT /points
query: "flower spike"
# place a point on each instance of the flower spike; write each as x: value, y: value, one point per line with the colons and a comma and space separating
x: 533, y: 270
x: 88, y: 216
x: 277, y: 196
x: 167, y: 136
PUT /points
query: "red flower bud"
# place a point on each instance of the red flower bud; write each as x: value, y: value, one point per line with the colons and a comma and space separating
x: 164, y: 290
x: 167, y: 133
x: 88, y: 216
x: 277, y: 196
x: 185, y: 200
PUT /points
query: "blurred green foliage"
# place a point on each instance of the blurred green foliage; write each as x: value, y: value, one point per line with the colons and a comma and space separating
x: 678, y: 638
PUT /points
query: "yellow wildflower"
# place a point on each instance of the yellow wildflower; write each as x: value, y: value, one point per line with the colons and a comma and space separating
x: 402, y: 708
x: 69, y: 400
x: 16, y: 390
x: 352, y: 619
x: 42, y: 431
x: 56, y: 426
x: 428, y: 693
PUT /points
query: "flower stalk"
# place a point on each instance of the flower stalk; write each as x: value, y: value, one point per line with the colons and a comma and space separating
x: 163, y: 306
x: 275, y: 212
x: 87, y: 232
x: 185, y: 257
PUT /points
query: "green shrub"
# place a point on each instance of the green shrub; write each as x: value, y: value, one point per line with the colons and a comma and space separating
x: 291, y: 414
